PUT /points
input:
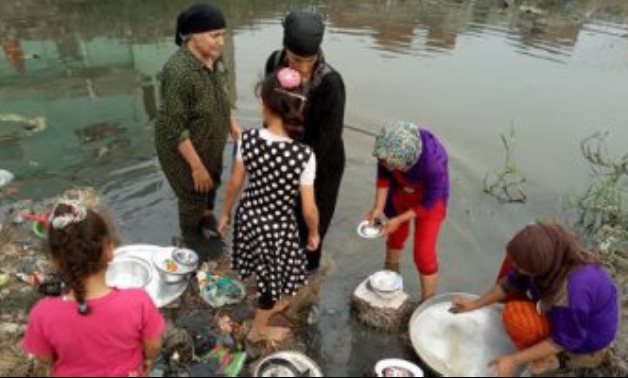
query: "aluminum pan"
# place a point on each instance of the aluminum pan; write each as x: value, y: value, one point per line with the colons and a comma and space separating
x: 458, y: 345
x: 161, y: 292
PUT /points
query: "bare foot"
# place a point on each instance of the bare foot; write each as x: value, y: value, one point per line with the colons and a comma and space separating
x: 545, y: 365
x: 281, y: 306
x: 269, y: 334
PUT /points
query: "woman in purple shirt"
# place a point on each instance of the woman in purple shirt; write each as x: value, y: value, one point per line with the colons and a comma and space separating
x: 566, y: 288
x: 412, y: 184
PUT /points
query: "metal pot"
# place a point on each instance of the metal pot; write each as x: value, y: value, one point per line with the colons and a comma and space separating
x: 185, y: 260
x: 173, y: 278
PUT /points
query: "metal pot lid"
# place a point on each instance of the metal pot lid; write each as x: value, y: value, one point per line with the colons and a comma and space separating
x: 287, y: 364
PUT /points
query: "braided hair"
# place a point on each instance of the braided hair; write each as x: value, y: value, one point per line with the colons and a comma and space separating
x: 76, y: 242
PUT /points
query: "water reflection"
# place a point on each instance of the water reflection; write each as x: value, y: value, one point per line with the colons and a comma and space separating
x: 91, y: 68
x: 69, y: 34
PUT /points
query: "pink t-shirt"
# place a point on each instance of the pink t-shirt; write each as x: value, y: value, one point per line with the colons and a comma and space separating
x: 108, y: 342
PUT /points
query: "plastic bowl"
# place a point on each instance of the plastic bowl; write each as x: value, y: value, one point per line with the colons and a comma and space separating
x: 386, y: 281
x: 39, y: 229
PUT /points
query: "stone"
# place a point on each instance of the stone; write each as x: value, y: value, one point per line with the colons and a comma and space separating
x: 211, y: 369
x: 4, y: 279
x: 388, y: 315
x: 10, y: 329
x: 178, y: 345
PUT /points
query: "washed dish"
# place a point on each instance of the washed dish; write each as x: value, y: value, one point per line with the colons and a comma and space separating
x: 386, y: 284
x: 370, y: 230
x: 162, y: 293
x: 397, y: 368
x: 128, y: 273
x: 170, y: 269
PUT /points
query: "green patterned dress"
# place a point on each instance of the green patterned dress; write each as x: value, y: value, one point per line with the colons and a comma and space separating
x: 196, y: 105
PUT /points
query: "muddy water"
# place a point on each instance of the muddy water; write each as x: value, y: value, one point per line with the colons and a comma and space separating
x: 555, y: 71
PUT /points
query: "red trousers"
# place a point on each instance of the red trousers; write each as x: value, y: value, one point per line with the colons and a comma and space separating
x: 427, y: 228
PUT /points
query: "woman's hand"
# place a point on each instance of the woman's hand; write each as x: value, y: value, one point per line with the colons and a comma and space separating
x: 203, y: 182
x: 313, y: 241
x: 392, y: 226
x: 460, y: 306
x: 224, y: 224
x: 374, y: 215
x: 504, y: 366
x: 235, y: 130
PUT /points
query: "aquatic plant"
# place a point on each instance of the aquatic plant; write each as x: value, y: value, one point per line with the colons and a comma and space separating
x: 602, y: 212
x: 505, y: 185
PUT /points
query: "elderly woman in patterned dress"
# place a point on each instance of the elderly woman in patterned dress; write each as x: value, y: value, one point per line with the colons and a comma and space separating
x: 195, y: 117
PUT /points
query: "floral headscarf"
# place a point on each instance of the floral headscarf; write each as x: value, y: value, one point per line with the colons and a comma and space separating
x: 399, y: 145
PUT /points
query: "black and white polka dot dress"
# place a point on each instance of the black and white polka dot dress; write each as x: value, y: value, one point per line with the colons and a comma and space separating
x: 266, y: 237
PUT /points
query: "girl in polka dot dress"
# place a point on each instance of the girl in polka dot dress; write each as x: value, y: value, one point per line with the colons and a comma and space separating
x: 278, y: 171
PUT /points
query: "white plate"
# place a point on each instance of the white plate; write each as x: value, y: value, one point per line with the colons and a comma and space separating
x: 410, y: 368
x: 367, y: 231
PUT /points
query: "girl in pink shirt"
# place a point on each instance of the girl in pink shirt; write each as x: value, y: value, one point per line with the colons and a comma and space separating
x: 92, y: 330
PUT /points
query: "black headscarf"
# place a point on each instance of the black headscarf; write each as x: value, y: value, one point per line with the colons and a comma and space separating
x: 303, y: 32
x: 199, y: 18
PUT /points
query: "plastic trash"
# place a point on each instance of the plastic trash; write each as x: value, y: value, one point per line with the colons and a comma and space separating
x: 234, y: 368
x: 33, y: 279
x: 4, y: 280
x: 218, y: 291
x: 5, y: 177
x: 31, y: 124
x: 221, y: 362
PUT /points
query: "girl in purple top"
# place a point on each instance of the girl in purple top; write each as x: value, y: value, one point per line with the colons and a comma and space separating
x: 567, y: 288
x: 412, y: 184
